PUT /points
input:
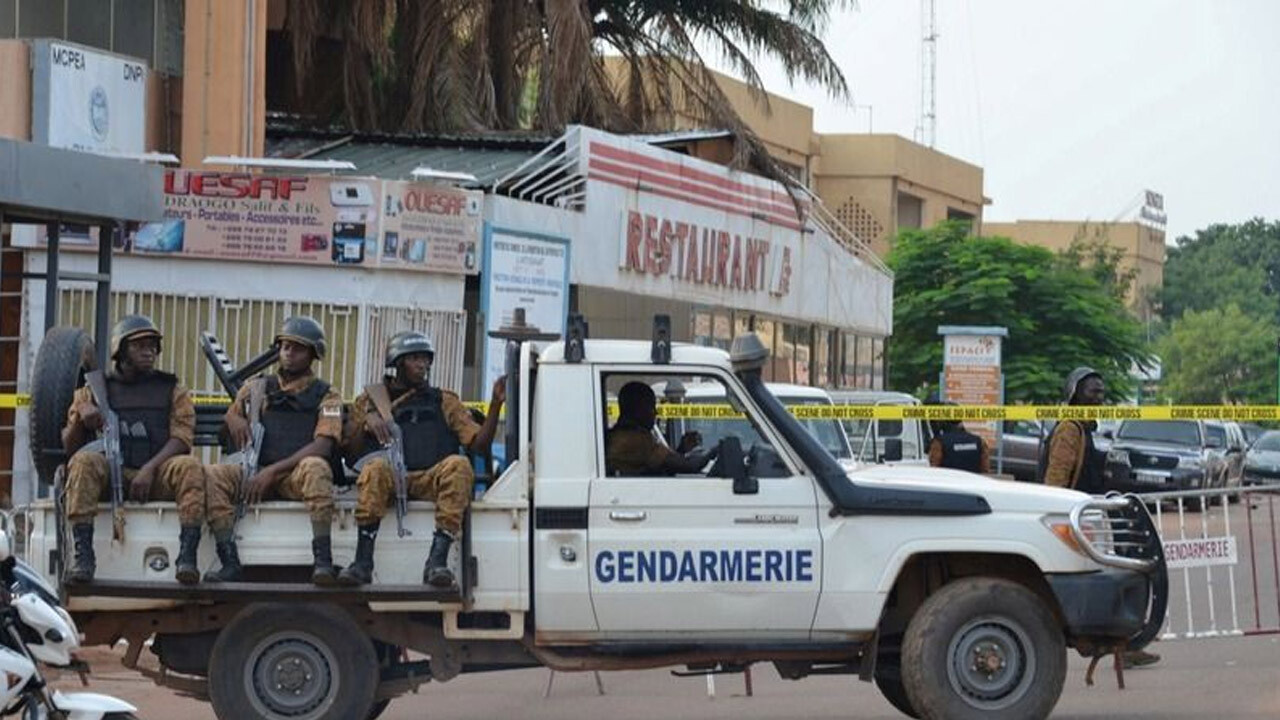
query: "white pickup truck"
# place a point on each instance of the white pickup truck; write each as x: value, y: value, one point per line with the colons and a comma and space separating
x: 957, y: 595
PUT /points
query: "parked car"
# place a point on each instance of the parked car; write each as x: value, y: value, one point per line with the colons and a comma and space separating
x: 1164, y: 455
x: 1019, y: 450
x: 868, y: 437
x: 1262, y: 461
x: 1252, y: 433
x: 1104, y: 434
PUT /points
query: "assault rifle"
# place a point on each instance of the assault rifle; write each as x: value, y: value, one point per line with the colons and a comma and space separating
x: 393, y: 452
x: 251, y: 451
x: 109, y: 445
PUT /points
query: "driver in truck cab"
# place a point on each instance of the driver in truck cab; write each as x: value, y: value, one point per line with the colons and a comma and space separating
x: 302, y: 423
x: 157, y: 425
x: 434, y: 425
x: 632, y: 448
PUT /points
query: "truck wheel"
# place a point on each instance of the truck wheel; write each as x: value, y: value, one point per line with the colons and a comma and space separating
x: 896, y: 694
x: 378, y: 708
x: 888, y: 675
x: 982, y: 648
x: 65, y: 355
x: 277, y: 661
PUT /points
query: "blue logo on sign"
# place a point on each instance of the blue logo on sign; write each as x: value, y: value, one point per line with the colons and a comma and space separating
x: 99, y: 116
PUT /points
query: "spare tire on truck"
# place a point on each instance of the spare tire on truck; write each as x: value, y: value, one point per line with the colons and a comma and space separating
x: 65, y: 355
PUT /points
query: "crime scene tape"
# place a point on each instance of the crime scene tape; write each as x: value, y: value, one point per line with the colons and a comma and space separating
x: 977, y: 413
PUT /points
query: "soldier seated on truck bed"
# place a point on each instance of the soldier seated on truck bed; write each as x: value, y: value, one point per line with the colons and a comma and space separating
x: 302, y: 422
x: 157, y: 425
x: 433, y: 424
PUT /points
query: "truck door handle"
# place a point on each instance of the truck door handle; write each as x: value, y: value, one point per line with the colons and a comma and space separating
x: 628, y: 515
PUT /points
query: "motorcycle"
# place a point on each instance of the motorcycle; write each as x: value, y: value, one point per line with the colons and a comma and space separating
x: 34, y: 628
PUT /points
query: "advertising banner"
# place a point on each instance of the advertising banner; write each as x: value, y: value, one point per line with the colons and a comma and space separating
x: 305, y: 220
x: 86, y: 99
x: 431, y: 227
x: 522, y: 270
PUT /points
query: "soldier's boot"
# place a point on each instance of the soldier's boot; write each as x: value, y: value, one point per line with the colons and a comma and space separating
x: 360, y: 571
x: 231, y: 570
x: 324, y: 573
x: 85, y: 563
x: 437, y: 572
x: 185, y: 569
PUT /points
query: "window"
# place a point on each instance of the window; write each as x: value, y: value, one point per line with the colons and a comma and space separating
x: 849, y: 369
x: 765, y: 329
x: 822, y: 365
x: 877, y: 364
x: 41, y: 18
x: 864, y: 368
x: 631, y: 449
x: 910, y: 211
x: 89, y: 22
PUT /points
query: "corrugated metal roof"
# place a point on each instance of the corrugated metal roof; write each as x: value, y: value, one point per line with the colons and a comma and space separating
x: 395, y: 161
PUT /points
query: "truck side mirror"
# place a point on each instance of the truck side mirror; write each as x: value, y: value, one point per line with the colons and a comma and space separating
x: 731, y: 463
x: 892, y: 450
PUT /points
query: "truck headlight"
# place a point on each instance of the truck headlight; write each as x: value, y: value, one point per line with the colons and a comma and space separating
x: 1093, y: 525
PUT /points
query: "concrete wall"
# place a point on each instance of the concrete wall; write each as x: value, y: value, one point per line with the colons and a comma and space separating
x: 15, y: 90
x: 218, y: 49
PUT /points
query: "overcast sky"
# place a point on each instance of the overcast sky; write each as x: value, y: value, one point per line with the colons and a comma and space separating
x: 1074, y: 107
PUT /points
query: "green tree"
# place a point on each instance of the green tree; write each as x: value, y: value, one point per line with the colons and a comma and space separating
x: 1058, y: 315
x: 451, y: 65
x: 1220, y: 355
x: 1224, y: 265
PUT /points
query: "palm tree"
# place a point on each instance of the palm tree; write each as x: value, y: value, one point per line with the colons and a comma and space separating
x: 459, y: 65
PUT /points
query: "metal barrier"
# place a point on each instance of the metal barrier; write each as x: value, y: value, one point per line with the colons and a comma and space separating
x: 1222, y: 547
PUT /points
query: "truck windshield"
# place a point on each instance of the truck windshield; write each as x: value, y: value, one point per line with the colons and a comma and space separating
x: 828, y: 433
x: 1177, y: 432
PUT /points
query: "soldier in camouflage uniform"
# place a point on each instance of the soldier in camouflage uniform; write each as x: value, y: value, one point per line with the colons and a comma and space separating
x: 434, y: 425
x: 157, y: 426
x: 302, y: 420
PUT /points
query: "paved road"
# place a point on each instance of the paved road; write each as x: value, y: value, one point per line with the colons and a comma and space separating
x: 1223, y: 679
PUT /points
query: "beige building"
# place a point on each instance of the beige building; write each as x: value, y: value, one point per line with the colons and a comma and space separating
x: 880, y: 184
x: 875, y: 184
x: 1143, y: 247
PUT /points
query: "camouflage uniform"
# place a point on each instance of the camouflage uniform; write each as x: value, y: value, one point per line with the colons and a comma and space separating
x: 448, y: 483
x: 178, y: 478
x: 311, y: 481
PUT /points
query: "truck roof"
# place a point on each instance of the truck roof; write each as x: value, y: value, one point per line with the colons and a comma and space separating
x: 873, y: 397
x: 637, y: 352
x: 782, y: 391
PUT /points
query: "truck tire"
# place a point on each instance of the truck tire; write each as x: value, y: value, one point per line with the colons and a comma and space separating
x: 294, y: 662
x: 888, y: 675
x: 894, y: 691
x: 65, y: 355
x: 983, y: 649
x: 377, y: 709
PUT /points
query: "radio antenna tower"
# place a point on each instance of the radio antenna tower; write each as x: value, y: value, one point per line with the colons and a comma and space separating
x: 927, y: 130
